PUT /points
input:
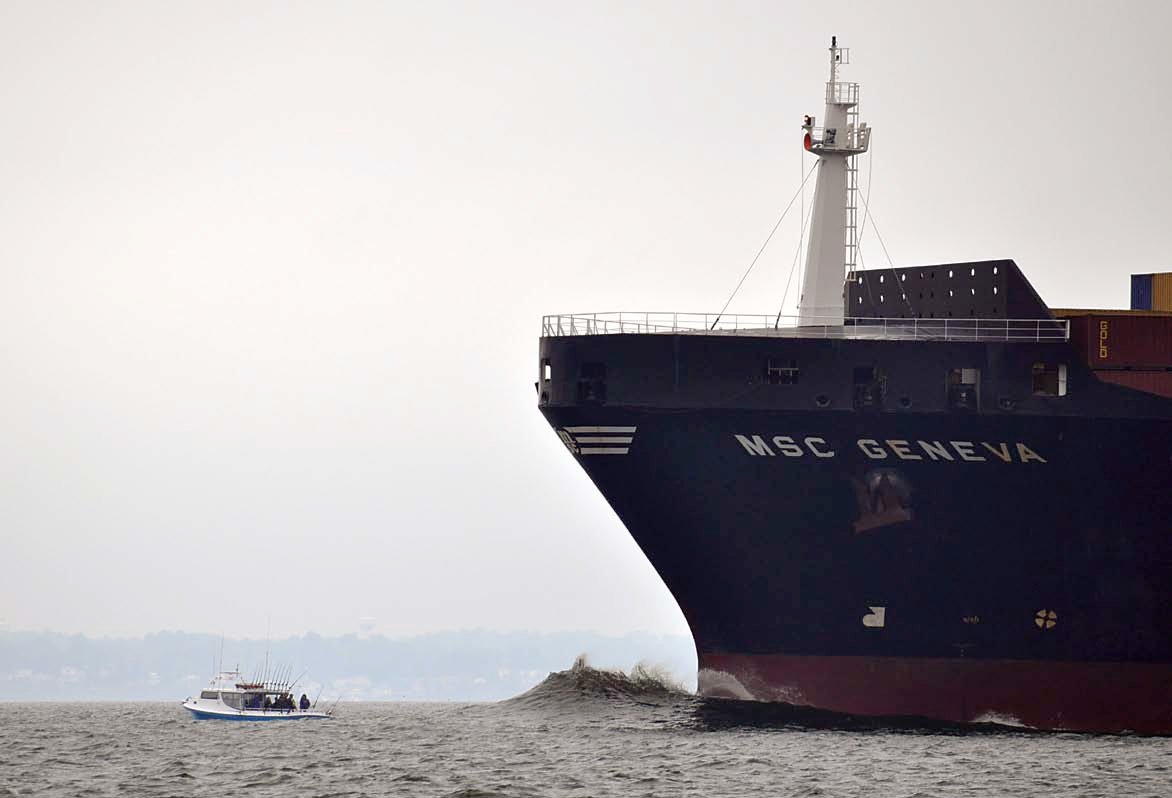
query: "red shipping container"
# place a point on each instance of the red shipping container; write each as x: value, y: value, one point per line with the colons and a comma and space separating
x: 1157, y: 382
x: 1123, y: 339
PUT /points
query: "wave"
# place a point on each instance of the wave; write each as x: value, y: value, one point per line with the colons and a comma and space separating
x: 716, y: 714
x: 583, y: 683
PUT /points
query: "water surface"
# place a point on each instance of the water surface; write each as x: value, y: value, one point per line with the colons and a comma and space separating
x: 581, y: 733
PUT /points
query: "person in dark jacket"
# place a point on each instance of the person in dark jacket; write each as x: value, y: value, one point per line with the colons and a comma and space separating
x: 304, y: 702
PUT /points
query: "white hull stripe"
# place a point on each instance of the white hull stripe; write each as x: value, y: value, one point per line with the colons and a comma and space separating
x: 604, y: 439
x: 604, y: 430
x: 602, y: 450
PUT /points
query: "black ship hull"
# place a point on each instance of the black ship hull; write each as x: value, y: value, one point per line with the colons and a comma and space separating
x: 963, y: 569
x: 1006, y: 557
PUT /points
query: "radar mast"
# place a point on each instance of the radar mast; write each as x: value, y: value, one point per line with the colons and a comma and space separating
x: 833, y: 248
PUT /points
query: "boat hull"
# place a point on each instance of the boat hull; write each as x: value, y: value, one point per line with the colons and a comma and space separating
x: 251, y: 715
x: 960, y: 568
x: 1065, y: 696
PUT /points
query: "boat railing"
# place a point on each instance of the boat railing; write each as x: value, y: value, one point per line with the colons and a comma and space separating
x: 841, y: 93
x: 769, y: 325
x: 847, y: 139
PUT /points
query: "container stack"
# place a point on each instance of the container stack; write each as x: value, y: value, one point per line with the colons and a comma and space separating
x: 1152, y: 292
x: 1130, y: 347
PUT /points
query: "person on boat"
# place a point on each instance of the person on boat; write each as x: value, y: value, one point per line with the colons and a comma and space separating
x: 304, y: 702
x: 268, y: 703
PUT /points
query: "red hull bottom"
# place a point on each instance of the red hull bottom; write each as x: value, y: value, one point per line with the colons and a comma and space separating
x: 1067, y: 696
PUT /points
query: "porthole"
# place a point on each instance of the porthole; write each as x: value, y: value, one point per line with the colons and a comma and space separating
x: 950, y: 274
x: 950, y: 292
x: 994, y: 270
x: 881, y: 297
x: 972, y: 272
x: 994, y: 289
x: 973, y: 291
x: 881, y: 278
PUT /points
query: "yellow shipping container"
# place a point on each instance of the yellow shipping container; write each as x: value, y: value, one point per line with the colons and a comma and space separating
x: 1162, y: 291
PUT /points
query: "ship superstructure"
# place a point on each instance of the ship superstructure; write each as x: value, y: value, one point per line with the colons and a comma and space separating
x: 927, y: 495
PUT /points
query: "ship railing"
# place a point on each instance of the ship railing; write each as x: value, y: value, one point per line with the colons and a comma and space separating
x: 770, y: 325
x: 845, y: 139
x: 842, y: 93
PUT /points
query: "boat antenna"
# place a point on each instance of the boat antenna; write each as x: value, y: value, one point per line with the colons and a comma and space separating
x: 268, y: 631
x: 221, y: 668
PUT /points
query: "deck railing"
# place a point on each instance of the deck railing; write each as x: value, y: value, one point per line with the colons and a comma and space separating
x: 787, y: 327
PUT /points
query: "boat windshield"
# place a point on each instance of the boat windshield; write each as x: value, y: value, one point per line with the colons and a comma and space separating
x: 234, y: 700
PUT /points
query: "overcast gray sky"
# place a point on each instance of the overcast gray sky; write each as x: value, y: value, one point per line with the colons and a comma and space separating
x: 271, y: 274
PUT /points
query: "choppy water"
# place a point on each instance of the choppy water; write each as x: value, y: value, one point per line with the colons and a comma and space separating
x: 580, y: 733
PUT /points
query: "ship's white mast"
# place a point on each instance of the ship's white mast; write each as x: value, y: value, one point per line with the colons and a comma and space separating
x: 833, y: 224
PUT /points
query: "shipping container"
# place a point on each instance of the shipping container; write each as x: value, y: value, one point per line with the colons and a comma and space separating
x: 1157, y: 382
x: 1162, y: 291
x: 1123, y: 340
x: 1141, y: 292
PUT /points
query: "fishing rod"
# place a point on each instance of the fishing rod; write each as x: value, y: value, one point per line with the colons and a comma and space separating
x: 298, y: 679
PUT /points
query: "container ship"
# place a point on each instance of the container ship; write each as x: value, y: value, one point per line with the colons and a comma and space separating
x: 927, y: 495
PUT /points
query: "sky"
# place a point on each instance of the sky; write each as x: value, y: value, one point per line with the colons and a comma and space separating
x: 272, y: 274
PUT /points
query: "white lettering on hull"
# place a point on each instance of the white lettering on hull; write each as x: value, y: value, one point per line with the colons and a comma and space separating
x: 892, y: 448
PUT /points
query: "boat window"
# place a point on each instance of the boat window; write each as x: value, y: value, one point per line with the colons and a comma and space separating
x: 234, y: 700
x: 1049, y: 379
x: 781, y: 371
x: 870, y: 386
x: 964, y: 387
x: 209, y: 694
x: 592, y: 383
x: 546, y: 369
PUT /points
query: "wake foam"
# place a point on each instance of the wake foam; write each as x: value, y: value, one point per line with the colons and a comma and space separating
x: 582, y: 683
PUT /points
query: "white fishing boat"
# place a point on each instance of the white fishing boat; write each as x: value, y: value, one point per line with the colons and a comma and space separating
x: 229, y: 697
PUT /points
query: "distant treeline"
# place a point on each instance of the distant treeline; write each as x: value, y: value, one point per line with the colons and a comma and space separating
x: 460, y: 666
